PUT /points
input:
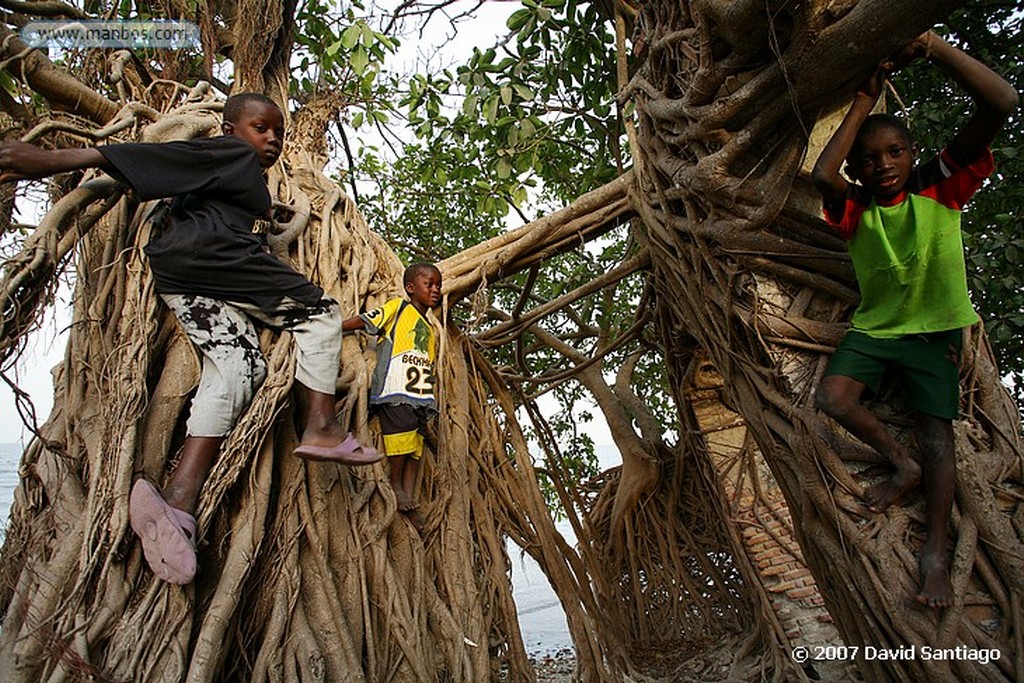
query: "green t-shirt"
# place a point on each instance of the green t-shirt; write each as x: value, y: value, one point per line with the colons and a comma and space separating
x: 908, y: 254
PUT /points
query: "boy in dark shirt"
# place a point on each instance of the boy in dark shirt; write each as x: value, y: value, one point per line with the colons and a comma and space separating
x: 903, y: 224
x: 216, y: 276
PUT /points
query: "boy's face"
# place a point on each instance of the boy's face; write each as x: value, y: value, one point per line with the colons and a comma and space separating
x: 882, y: 162
x: 262, y: 126
x: 425, y: 288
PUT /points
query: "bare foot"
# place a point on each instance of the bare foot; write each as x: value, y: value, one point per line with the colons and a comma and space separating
x: 936, y: 588
x: 893, y: 490
x: 406, y: 503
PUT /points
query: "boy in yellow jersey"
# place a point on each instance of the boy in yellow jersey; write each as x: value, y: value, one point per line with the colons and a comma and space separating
x: 402, y: 389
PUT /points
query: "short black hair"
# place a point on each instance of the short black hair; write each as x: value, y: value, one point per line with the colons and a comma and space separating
x: 877, y: 122
x: 236, y: 104
x: 417, y: 268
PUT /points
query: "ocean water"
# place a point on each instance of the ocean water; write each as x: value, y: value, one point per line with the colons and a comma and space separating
x: 10, y: 457
x: 541, y: 618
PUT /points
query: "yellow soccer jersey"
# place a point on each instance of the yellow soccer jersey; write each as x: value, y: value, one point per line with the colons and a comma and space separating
x: 405, y: 354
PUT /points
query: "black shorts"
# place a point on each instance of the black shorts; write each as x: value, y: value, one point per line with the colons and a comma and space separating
x: 929, y: 365
x: 403, y: 427
x: 396, y: 418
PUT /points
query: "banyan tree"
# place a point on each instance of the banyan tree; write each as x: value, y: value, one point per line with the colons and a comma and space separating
x: 308, y: 571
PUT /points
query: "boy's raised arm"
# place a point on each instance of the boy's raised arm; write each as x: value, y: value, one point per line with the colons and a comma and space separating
x: 994, y: 97
x: 826, y: 175
x: 21, y: 160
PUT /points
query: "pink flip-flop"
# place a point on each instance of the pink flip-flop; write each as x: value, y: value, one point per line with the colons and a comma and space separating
x: 348, y: 452
x: 166, y: 533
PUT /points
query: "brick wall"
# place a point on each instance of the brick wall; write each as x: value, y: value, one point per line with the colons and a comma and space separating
x: 764, y: 521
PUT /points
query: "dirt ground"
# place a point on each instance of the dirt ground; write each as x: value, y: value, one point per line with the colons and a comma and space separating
x: 555, y: 668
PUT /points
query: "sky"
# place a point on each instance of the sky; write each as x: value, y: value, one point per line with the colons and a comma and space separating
x: 439, y: 46
x: 44, y: 350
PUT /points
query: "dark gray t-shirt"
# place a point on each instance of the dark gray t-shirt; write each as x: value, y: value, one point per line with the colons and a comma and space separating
x: 208, y: 247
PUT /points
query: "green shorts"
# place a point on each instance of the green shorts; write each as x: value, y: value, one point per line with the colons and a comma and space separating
x: 928, y: 364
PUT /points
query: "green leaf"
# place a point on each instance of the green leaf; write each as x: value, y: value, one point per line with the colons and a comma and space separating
x: 359, y: 60
x: 519, y: 196
x: 8, y: 84
x: 504, y: 168
x: 350, y: 36
x: 518, y: 19
x: 491, y: 109
x: 523, y: 91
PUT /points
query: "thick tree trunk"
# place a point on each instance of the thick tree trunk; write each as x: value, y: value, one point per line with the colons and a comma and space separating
x: 655, y: 576
x: 307, y: 571
x: 741, y: 263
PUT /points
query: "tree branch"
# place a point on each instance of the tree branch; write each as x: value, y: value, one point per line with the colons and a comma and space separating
x: 588, y: 217
x: 59, y: 88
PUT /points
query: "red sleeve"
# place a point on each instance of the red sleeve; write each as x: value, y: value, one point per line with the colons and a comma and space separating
x: 955, y: 183
x: 846, y: 221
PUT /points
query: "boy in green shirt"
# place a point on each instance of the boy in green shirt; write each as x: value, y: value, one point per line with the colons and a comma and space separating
x: 903, y: 224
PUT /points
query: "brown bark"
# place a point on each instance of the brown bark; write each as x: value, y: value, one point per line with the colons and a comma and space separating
x: 56, y: 86
x: 717, y: 170
x: 309, y: 572
x: 306, y: 570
